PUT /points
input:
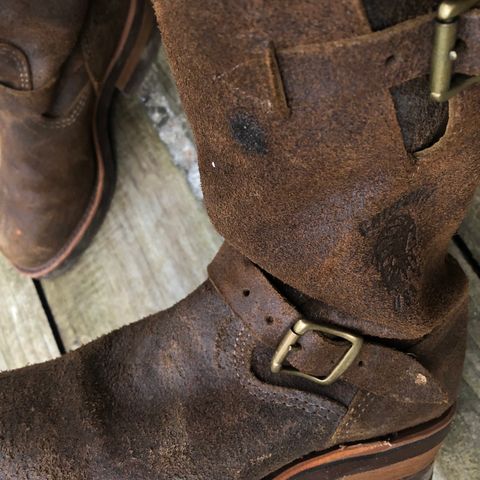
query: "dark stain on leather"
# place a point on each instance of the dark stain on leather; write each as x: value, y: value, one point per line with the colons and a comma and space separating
x: 395, y: 257
x: 396, y: 247
x: 248, y: 133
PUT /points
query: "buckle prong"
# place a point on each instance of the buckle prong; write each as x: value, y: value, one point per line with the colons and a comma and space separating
x: 293, y: 335
x: 442, y: 84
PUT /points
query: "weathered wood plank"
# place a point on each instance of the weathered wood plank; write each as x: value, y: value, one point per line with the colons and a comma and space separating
x: 459, y: 458
x: 25, y: 336
x: 152, y: 249
x: 470, y: 228
x: 166, y: 113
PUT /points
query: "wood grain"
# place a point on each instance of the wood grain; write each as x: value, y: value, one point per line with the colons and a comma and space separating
x: 470, y: 228
x: 25, y: 336
x: 151, y: 251
x: 460, y: 456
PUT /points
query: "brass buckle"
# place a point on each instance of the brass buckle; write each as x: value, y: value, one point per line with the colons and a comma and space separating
x: 299, y: 329
x: 442, y: 85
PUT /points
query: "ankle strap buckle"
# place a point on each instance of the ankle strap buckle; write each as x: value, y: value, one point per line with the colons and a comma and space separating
x: 442, y: 84
x: 292, y: 337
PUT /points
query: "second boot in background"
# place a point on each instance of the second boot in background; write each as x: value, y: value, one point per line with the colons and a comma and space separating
x: 60, y: 64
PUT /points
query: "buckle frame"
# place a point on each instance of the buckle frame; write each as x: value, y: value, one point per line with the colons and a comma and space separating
x: 442, y: 83
x: 298, y: 330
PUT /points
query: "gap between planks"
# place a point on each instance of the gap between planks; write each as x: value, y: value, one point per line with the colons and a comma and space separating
x: 152, y: 249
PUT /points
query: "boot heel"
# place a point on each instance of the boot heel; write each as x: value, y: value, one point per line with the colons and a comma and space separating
x: 408, y: 456
x: 142, y: 52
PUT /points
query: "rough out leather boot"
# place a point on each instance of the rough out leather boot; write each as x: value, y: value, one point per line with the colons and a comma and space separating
x: 328, y: 341
x: 60, y: 62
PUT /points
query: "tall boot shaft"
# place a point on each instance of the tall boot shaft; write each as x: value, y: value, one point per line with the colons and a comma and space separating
x: 308, y: 165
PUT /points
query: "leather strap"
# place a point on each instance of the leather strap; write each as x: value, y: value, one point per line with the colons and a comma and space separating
x: 378, y: 369
x: 386, y: 58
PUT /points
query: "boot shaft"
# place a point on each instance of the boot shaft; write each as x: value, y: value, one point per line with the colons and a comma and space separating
x: 305, y: 166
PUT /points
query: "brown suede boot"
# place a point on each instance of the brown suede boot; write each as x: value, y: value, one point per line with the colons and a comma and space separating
x: 338, y: 185
x: 60, y: 62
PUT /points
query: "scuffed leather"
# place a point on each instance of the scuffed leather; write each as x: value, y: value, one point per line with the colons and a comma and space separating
x: 314, y: 183
x: 177, y: 395
x: 172, y: 396
x: 48, y: 168
x: 47, y: 175
x: 45, y: 31
x: 405, y: 385
x: 325, y: 196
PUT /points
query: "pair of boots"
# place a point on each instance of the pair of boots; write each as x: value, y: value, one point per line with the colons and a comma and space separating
x: 328, y: 340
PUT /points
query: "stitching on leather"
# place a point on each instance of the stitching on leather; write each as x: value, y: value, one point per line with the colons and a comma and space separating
x: 80, y: 223
x: 357, y: 411
x: 239, y: 345
x: 15, y: 56
x: 65, y: 122
x: 86, y: 44
x: 19, y: 62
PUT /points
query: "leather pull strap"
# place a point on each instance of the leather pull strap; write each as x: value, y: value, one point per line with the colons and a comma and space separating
x: 378, y: 369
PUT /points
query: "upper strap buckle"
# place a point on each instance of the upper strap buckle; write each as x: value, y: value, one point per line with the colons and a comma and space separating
x: 442, y: 83
x: 291, y: 338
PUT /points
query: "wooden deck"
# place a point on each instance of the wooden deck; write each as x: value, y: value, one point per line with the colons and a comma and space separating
x: 153, y: 249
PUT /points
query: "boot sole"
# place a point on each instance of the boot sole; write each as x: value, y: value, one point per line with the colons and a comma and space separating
x: 408, y: 456
x: 135, y: 51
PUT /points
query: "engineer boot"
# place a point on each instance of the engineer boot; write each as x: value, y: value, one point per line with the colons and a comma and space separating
x: 188, y: 393
x: 328, y: 340
x: 60, y: 62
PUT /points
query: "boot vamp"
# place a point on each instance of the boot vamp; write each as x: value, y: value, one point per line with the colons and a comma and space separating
x: 47, y: 179
x: 50, y: 168
x: 172, y: 396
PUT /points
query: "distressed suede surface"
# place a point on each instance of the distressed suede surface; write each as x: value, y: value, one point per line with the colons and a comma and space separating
x: 330, y: 189
x: 172, y: 396
x: 324, y: 195
x: 176, y: 394
x: 405, y: 386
